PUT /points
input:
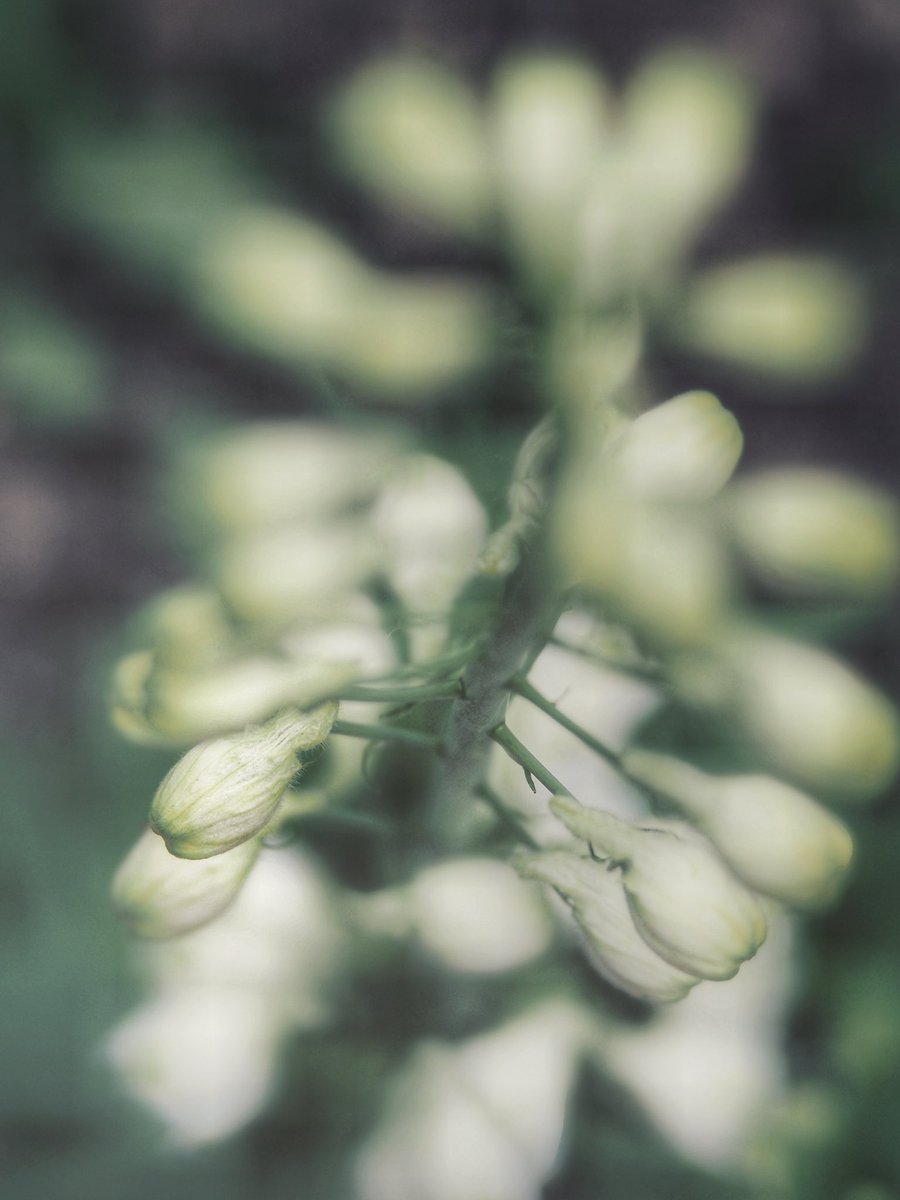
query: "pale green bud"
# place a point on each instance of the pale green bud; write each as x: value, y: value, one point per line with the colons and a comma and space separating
x: 412, y: 131
x: 687, y: 121
x: 813, y: 530
x: 282, y: 283
x: 795, y: 318
x: 549, y: 116
x: 685, y: 449
x: 812, y: 716
x: 160, y: 705
x: 160, y: 896
x: 685, y: 903
x: 774, y: 837
x: 274, y: 472
x: 295, y: 571
x: 417, y: 336
x: 594, y: 892
x: 658, y: 567
x: 225, y: 791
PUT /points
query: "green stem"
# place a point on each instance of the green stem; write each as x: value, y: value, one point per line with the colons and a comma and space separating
x: 505, y: 737
x: 387, y: 733
x: 524, y: 614
x: 525, y: 689
x: 638, y: 670
x: 433, y: 667
x: 446, y: 690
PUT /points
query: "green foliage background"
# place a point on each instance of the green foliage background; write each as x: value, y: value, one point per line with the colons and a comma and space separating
x: 103, y: 370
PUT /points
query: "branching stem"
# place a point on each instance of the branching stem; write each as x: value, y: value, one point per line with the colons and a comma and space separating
x: 387, y: 733
x: 530, y: 693
x: 519, y: 753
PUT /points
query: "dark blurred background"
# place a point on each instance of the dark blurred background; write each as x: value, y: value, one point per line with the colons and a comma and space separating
x: 101, y: 365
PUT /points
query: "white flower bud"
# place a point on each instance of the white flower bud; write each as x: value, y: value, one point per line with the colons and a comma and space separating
x: 597, y: 898
x: 431, y: 526
x: 475, y: 915
x: 811, y: 716
x: 160, y: 896
x: 548, y: 114
x: 685, y: 449
x: 684, y: 901
x: 776, y: 838
x: 224, y: 791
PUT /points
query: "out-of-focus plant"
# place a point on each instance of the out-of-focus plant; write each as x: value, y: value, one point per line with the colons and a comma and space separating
x: 364, y: 647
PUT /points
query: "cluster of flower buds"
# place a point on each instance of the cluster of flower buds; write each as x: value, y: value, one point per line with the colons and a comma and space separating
x: 245, y: 670
x: 206, y: 821
x: 659, y: 909
x: 666, y: 904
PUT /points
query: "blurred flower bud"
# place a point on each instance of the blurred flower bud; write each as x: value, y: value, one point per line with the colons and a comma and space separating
x: 594, y: 892
x: 224, y: 791
x: 160, y: 705
x: 271, y: 472
x: 419, y: 335
x: 792, y: 318
x: 685, y: 139
x: 297, y: 571
x: 202, y: 1059
x: 187, y: 626
x: 283, y: 284
x: 482, y: 1118
x: 160, y: 896
x: 684, y: 449
x: 774, y: 837
x: 549, y: 118
x: 475, y: 915
x: 818, y: 531
x: 811, y: 716
x: 412, y: 131
x: 431, y: 527
x: 685, y: 903
x: 658, y: 567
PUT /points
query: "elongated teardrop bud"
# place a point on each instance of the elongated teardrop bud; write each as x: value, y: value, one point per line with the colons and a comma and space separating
x: 160, y: 896
x: 225, y: 790
x: 776, y: 838
x: 685, y: 902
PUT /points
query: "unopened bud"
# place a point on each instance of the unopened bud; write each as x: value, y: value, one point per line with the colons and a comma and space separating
x: 811, y: 716
x: 684, y: 449
x: 160, y: 896
x: 818, y: 531
x: 225, y: 791
x: 685, y: 903
x: 597, y: 898
x: 774, y: 837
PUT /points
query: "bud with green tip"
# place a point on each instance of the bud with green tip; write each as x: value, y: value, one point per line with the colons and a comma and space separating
x: 160, y: 896
x: 685, y: 449
x: 595, y: 894
x: 226, y: 790
x: 685, y: 903
x: 774, y: 837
